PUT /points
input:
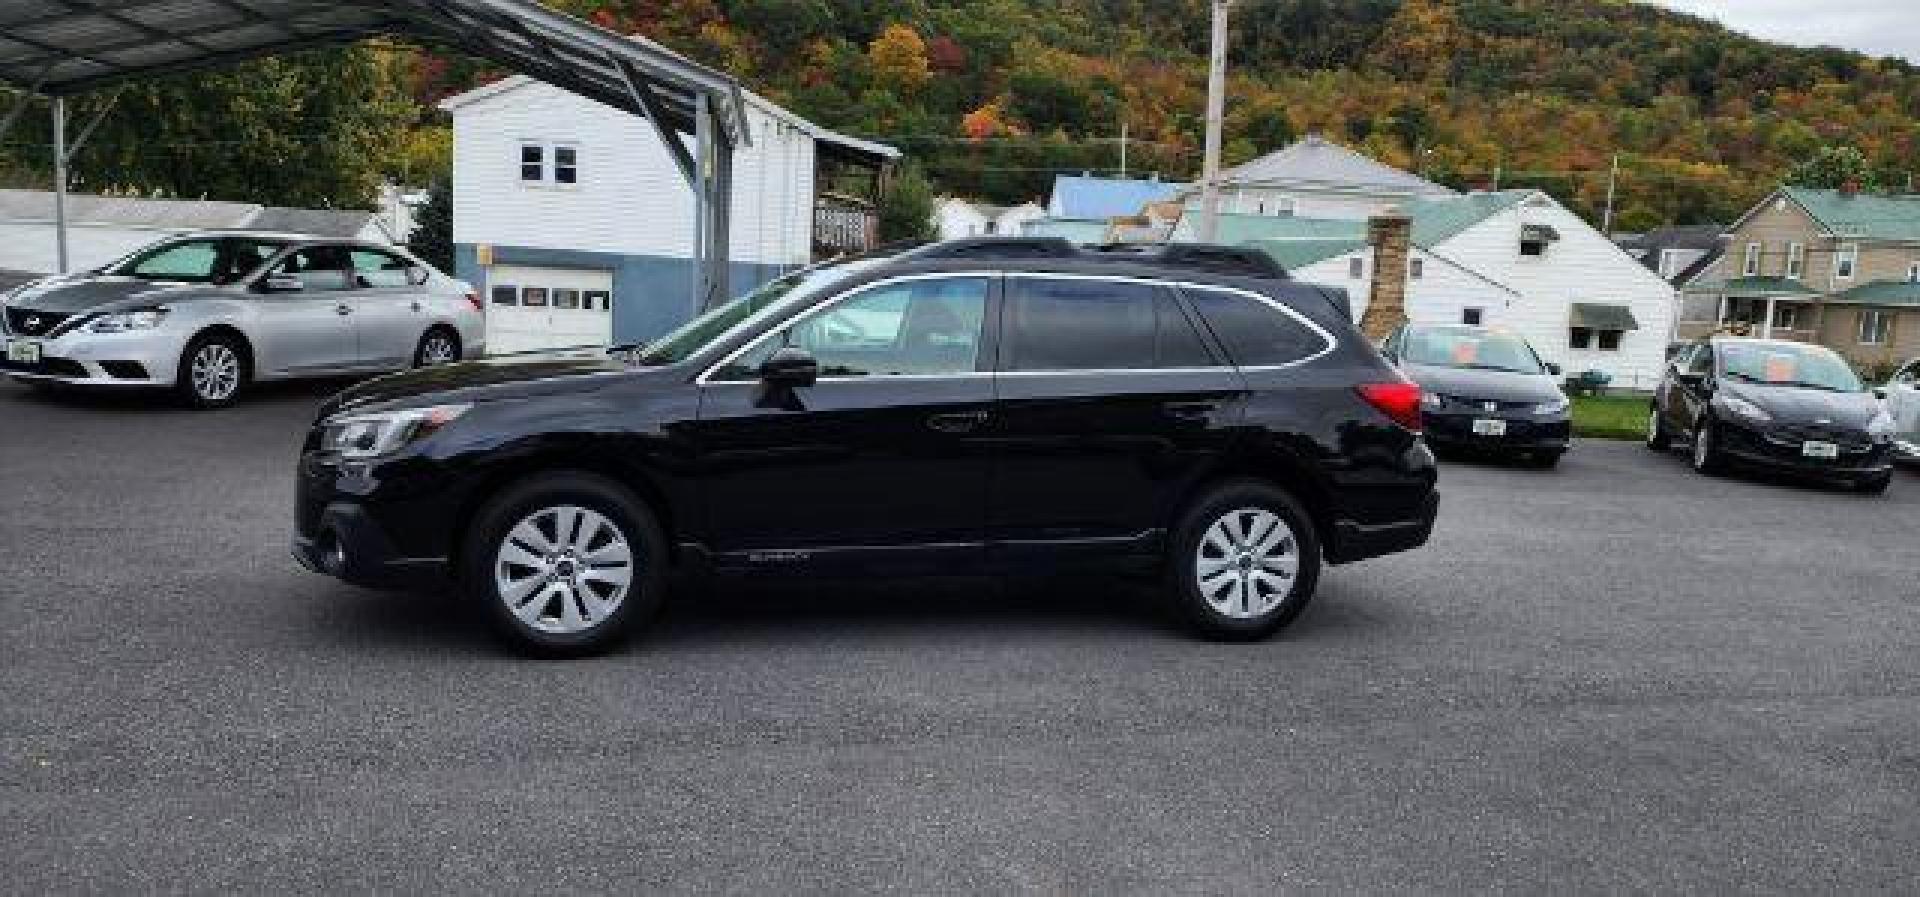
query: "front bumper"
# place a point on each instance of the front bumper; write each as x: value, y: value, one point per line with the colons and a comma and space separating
x: 84, y: 358
x: 1524, y: 433
x: 1859, y: 459
x: 1906, y: 448
x: 349, y: 545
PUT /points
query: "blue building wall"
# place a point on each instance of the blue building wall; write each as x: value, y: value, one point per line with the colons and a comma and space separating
x: 651, y: 294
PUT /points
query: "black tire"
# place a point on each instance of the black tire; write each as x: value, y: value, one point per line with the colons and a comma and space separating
x: 514, y: 505
x: 423, y: 349
x: 1183, y: 575
x: 1707, y: 458
x: 1874, y: 485
x: 217, y: 348
x: 1658, y: 439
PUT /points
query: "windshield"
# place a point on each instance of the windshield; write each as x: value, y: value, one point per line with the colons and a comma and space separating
x: 205, y: 260
x: 1786, y: 364
x: 1471, y: 348
x: 704, y: 330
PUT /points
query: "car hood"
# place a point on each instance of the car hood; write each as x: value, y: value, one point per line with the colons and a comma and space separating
x: 73, y: 294
x: 507, y: 377
x: 1798, y: 405
x: 1499, y: 386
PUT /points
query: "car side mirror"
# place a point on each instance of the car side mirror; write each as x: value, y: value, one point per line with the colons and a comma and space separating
x: 416, y: 276
x: 790, y: 366
x: 282, y: 283
x: 1553, y: 369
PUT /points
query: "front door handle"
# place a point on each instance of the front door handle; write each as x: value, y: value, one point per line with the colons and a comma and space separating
x: 958, y: 422
x: 343, y: 309
x: 1190, y: 410
x: 416, y: 306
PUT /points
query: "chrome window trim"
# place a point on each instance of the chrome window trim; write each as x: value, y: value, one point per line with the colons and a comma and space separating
x: 706, y: 375
x: 1327, y: 341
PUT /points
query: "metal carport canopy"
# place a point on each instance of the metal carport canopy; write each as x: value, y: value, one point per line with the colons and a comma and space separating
x: 62, y: 47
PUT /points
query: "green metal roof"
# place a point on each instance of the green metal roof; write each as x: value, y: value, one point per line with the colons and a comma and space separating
x: 1758, y: 286
x: 1292, y: 254
x: 1596, y: 316
x: 1866, y: 216
x: 1881, y: 292
x: 1436, y: 221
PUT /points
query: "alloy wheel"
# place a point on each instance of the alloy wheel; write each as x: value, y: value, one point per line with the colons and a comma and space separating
x: 437, y: 349
x: 215, y: 371
x: 1246, y: 563
x: 563, y: 570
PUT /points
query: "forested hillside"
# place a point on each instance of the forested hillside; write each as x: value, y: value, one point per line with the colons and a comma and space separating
x: 995, y: 96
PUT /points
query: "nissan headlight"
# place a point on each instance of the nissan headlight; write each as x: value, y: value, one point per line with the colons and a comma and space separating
x: 1553, y: 407
x: 125, y: 321
x: 364, y: 436
x: 1743, y: 408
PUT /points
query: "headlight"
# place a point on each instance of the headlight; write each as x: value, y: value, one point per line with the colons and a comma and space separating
x: 361, y: 436
x: 123, y: 321
x: 1882, y: 426
x: 1555, y: 406
x: 1745, y: 409
x: 1430, y: 401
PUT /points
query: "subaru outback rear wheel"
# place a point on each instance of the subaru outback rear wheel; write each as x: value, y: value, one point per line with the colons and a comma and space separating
x: 566, y: 563
x: 1245, y: 561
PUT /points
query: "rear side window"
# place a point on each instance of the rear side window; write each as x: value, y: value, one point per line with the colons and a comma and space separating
x: 1084, y: 325
x: 1254, y: 333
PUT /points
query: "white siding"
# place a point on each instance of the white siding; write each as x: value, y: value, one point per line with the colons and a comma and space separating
x: 1583, y: 266
x: 1341, y: 205
x: 1438, y: 296
x: 958, y: 219
x: 630, y: 199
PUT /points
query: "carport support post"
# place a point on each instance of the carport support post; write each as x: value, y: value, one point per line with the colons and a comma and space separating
x: 720, y: 221
x: 702, y: 150
x: 60, y: 181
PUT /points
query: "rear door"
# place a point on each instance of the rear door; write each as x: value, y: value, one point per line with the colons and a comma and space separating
x: 311, y: 330
x: 389, y: 313
x: 1112, y: 403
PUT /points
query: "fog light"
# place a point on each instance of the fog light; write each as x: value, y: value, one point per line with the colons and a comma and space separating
x: 333, y: 553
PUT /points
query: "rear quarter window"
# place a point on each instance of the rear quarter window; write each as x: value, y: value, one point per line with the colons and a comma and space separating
x: 1255, y: 333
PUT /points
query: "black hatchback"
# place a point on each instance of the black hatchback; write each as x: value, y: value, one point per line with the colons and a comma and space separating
x: 1004, y: 406
x: 1774, y: 405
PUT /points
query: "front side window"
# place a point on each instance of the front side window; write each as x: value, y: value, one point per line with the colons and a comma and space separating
x: 1085, y: 325
x: 917, y: 327
x: 1254, y: 333
x: 1875, y: 327
x: 1702, y: 360
x: 320, y: 268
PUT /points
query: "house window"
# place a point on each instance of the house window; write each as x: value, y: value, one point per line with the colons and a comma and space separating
x: 1845, y: 260
x: 1913, y: 273
x: 1285, y: 207
x: 566, y: 165
x: 1796, y: 260
x: 1533, y: 248
x: 1356, y: 267
x: 1876, y: 327
x: 1579, y: 338
x: 1609, y: 340
x: 1472, y: 316
x: 1752, y: 266
x: 1786, y: 317
x: 506, y: 295
x: 1590, y: 338
x: 1416, y: 268
x: 533, y: 162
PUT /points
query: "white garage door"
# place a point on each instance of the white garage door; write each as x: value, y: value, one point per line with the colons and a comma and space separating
x: 529, y: 309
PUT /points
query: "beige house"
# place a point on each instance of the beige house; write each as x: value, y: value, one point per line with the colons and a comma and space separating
x: 1836, y: 267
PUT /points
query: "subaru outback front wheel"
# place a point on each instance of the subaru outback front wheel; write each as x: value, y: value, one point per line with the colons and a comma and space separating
x: 566, y: 563
x: 1244, y: 561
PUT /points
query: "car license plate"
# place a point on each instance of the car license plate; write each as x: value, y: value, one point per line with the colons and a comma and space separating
x: 1489, y: 428
x: 23, y: 351
x: 1826, y: 450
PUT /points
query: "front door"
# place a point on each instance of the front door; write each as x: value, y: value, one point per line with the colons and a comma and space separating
x: 1692, y: 391
x: 1111, y: 404
x: 310, y: 330
x: 531, y: 309
x: 882, y: 460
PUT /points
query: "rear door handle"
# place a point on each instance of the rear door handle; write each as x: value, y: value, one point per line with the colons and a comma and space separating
x: 416, y: 306
x: 343, y: 309
x: 957, y: 422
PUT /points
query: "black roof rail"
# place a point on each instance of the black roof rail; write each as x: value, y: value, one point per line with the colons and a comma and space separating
x: 1233, y: 260
x: 998, y: 247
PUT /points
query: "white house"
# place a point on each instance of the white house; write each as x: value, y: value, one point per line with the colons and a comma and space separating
x: 1515, y: 258
x: 955, y: 218
x: 575, y: 223
x: 1317, y: 178
x: 101, y: 229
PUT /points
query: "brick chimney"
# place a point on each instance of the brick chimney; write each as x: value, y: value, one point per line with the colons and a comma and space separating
x: 1390, y: 233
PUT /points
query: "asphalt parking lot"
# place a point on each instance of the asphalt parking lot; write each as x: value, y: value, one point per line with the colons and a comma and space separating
x: 1614, y: 676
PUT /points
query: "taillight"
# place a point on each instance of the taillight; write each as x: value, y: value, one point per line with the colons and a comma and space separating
x: 1399, y: 401
x: 473, y: 299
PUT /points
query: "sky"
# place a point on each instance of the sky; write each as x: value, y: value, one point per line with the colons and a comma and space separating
x: 1876, y: 27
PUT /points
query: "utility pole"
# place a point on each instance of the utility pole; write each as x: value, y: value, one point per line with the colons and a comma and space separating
x: 1123, y: 149
x: 1613, y: 180
x: 60, y: 181
x: 1216, y: 111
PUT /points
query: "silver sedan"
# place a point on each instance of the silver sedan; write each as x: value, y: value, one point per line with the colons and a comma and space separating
x: 209, y: 314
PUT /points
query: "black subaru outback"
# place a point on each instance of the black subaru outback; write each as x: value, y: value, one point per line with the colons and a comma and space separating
x: 987, y: 405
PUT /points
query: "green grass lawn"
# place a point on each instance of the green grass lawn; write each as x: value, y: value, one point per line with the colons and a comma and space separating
x: 1610, y: 417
